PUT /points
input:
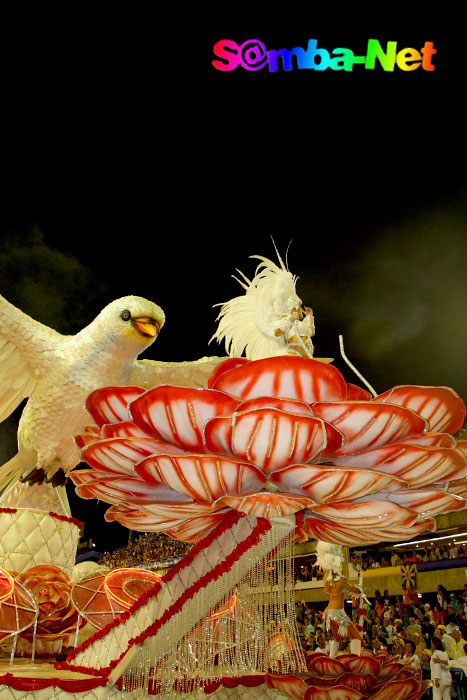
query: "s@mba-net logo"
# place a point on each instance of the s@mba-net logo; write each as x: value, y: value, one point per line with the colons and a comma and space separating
x: 253, y: 55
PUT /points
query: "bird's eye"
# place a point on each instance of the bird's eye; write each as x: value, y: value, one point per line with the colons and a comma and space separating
x: 126, y: 315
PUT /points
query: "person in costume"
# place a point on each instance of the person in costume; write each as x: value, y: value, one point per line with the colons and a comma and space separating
x: 330, y: 558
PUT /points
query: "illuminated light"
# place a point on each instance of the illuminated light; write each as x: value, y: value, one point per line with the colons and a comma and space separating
x: 437, y: 539
x: 141, y: 574
x: 225, y: 611
x: 6, y: 578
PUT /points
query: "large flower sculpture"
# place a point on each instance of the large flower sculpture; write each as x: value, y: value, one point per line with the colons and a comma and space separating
x: 273, y: 437
x: 351, y: 677
x: 51, y: 588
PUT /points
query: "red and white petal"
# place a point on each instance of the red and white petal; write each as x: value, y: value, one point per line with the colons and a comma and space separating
x: 401, y: 532
x: 427, y: 503
x: 369, y: 425
x: 362, y: 682
x: 431, y: 440
x: 269, y: 438
x: 110, y: 404
x: 288, y: 405
x: 364, y: 664
x: 125, y: 429
x: 457, y: 487
x: 291, y: 686
x: 265, y: 504
x: 121, y: 454
x: 462, y: 447
x: 181, y: 509
x: 124, y: 489
x: 418, y: 465
x: 85, y: 477
x: 139, y: 519
x: 201, y: 477
x: 85, y: 439
x: 327, y: 531
x: 357, y: 393
x: 367, y: 513
x: 226, y: 366
x: 178, y: 414
x: 323, y: 483
x: 194, y: 529
x: 337, y: 692
x: 288, y: 377
x: 389, y: 671
x: 325, y: 666
x: 407, y: 689
x: 440, y: 405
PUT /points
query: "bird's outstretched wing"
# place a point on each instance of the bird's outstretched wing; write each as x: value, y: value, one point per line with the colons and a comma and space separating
x: 149, y: 373
x: 23, y: 343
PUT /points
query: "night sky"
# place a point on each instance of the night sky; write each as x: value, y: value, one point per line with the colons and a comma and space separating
x: 130, y: 165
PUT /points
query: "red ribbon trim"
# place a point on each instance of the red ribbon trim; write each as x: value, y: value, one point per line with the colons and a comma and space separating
x: 69, y: 686
x: 8, y: 510
x: 231, y: 518
x: 66, y: 519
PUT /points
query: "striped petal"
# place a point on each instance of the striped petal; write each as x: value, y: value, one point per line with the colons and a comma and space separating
x: 440, y: 405
x: 457, y: 487
x: 226, y: 366
x: 139, y: 519
x: 364, y: 664
x: 407, y: 689
x: 362, y: 682
x: 356, y: 393
x: 194, y: 529
x: 325, y: 666
x: 121, y: 489
x: 323, y: 483
x: 346, y: 535
x: 367, y: 513
x: 85, y: 439
x: 110, y: 404
x: 431, y: 440
x: 368, y: 425
x: 291, y: 686
x: 269, y: 438
x: 288, y: 377
x: 201, y: 477
x: 265, y: 504
x: 290, y: 405
x: 124, y: 429
x: 426, y: 502
x: 178, y: 414
x: 389, y: 671
x: 121, y: 454
x: 420, y: 466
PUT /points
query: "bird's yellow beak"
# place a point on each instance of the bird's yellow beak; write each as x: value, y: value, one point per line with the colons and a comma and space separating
x: 147, y: 326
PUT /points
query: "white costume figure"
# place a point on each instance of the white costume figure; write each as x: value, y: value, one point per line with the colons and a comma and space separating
x: 330, y: 558
x: 269, y: 319
x: 440, y: 675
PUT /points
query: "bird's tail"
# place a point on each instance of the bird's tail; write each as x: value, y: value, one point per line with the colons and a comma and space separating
x: 10, y: 473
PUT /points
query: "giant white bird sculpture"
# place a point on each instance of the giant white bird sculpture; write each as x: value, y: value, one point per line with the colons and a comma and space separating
x: 57, y: 373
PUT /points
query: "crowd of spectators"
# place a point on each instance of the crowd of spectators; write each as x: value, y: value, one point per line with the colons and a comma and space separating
x: 375, y: 560
x: 307, y: 570
x: 401, y: 624
x: 146, y: 549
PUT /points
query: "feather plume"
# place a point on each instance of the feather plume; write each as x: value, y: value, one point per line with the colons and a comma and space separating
x: 329, y: 557
x: 260, y: 323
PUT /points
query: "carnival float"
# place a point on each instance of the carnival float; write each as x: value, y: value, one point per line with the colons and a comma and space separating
x: 240, y: 457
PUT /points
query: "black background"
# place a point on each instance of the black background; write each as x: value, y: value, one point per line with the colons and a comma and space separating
x: 131, y: 166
